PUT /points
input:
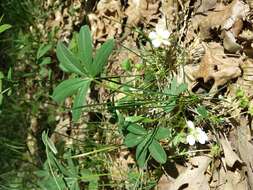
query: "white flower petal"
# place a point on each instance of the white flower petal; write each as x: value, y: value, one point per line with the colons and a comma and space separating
x: 156, y: 43
x: 190, y: 139
x: 190, y: 124
x: 152, y: 35
x: 165, y: 34
x: 201, y: 136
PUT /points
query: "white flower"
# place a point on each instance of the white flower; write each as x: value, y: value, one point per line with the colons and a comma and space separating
x: 196, y: 134
x: 190, y: 124
x: 159, y: 37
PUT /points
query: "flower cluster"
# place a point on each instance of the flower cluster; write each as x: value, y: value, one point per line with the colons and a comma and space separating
x: 159, y: 36
x: 196, y: 134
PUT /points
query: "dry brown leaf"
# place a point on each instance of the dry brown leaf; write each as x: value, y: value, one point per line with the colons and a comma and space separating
x: 230, y: 156
x: 223, y: 18
x: 204, y: 5
x: 215, y: 65
x: 223, y: 179
x: 246, y: 148
x: 164, y: 183
x: 194, y: 178
x: 169, y: 9
x: 229, y: 42
x: 106, y: 20
x: 141, y: 11
x: 228, y: 19
x: 245, y: 82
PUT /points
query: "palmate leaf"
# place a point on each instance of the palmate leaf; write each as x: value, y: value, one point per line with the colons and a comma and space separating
x: 68, y: 60
x: 101, y: 57
x: 157, y: 152
x: 68, y: 88
x: 80, y: 100
x: 85, y: 47
x: 132, y: 140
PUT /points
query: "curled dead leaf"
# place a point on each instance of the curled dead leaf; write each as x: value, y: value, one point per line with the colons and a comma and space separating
x: 230, y: 156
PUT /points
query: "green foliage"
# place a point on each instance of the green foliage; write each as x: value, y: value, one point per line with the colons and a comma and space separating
x: 146, y: 141
x: 63, y: 173
x: 4, y: 27
x: 84, y: 66
x: 174, y: 90
x: 244, y: 101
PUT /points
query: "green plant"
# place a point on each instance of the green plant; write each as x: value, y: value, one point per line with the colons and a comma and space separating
x: 147, y: 141
x: 63, y: 173
x: 84, y: 65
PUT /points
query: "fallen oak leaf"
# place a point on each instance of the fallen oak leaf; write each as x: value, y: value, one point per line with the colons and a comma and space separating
x: 194, y: 178
x: 215, y: 65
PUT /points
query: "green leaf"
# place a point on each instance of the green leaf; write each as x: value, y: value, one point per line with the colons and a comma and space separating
x: 134, y: 119
x: 85, y: 46
x: 141, y: 151
x: 80, y: 100
x: 157, y: 152
x: 45, y: 61
x: 136, y: 129
x: 9, y: 75
x: 202, y: 111
x: 4, y: 27
x: 126, y: 65
x: 48, y: 142
x: 181, y: 88
x: 170, y: 106
x: 68, y: 59
x: 173, y: 87
x: 43, y: 49
x: 132, y: 140
x: 162, y: 133
x: 67, y: 88
x: 142, y: 158
x: 102, y: 56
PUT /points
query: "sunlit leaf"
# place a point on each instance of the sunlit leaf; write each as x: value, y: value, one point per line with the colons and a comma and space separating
x: 4, y: 27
